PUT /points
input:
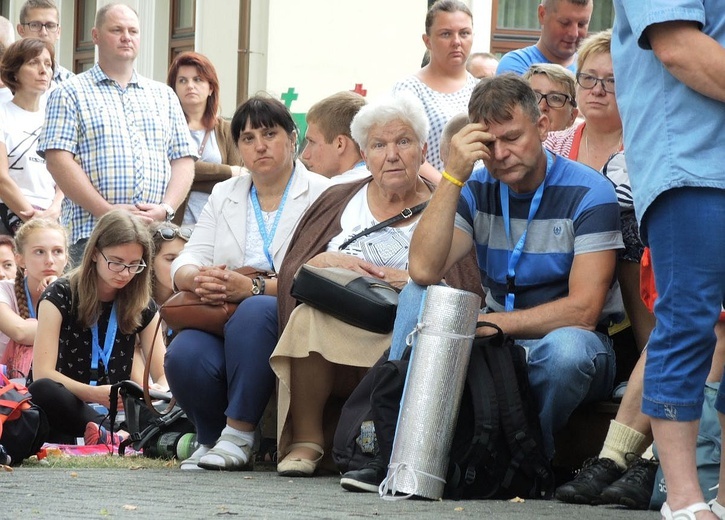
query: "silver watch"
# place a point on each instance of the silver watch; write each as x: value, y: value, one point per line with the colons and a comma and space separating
x: 170, y: 213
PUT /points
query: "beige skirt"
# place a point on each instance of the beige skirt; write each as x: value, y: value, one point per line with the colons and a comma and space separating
x: 310, y: 330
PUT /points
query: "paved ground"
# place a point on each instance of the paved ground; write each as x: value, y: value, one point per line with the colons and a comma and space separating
x: 37, y: 492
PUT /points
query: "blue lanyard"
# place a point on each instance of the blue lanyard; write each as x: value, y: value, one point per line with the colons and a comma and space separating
x: 108, y: 342
x: 514, y: 254
x: 268, y: 237
x: 31, y: 307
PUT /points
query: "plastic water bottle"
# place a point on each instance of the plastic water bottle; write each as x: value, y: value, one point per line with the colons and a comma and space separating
x: 186, y: 446
x: 4, y: 457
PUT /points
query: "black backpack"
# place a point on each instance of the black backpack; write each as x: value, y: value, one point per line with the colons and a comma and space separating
x: 497, y: 450
x: 155, y: 432
x: 23, y: 425
x: 369, y: 416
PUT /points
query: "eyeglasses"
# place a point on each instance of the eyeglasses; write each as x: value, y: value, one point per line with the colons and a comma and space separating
x: 589, y: 82
x: 51, y: 27
x: 555, y: 99
x: 119, y: 267
x: 168, y: 233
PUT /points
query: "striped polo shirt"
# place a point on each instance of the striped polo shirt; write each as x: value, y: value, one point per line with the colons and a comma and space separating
x: 578, y: 214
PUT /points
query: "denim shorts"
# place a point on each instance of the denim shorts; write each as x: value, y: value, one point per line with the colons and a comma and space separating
x: 683, y: 228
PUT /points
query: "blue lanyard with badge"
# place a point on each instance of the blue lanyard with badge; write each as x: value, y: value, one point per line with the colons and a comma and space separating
x: 105, y: 352
x: 268, y: 237
x: 514, y: 254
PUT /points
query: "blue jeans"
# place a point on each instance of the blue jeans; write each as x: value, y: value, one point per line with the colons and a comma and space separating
x: 567, y: 367
x: 214, y: 378
x: 683, y: 228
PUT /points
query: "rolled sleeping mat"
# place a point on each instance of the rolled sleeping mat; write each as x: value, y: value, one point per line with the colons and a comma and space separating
x: 432, y: 394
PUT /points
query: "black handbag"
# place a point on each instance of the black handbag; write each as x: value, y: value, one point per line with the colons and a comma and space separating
x: 363, y: 301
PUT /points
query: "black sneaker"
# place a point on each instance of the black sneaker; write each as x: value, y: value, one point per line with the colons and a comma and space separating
x: 367, y: 478
x: 634, y: 489
x: 592, y: 479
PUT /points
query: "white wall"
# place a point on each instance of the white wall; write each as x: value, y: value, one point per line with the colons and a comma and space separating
x: 217, y: 34
x: 318, y: 47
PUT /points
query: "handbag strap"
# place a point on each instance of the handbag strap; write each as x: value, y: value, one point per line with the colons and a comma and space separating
x: 146, y: 374
x: 405, y: 214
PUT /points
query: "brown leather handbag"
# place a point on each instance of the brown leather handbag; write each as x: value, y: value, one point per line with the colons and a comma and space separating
x: 185, y: 310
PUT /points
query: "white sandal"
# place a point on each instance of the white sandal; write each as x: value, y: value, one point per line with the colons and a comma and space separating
x: 717, y: 509
x: 687, y: 513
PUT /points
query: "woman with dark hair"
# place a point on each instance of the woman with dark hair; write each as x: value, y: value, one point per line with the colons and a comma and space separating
x: 195, y: 81
x: 443, y: 84
x: 247, y: 223
x: 27, y: 189
x: 88, y: 324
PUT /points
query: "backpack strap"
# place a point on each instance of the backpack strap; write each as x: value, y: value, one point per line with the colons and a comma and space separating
x: 485, y: 409
x: 14, y: 398
x: 525, y: 451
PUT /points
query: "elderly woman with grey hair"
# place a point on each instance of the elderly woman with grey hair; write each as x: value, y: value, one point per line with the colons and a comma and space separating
x: 319, y: 357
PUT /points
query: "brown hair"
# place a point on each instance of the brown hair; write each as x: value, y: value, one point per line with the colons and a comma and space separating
x: 208, y: 73
x: 335, y: 113
x: 495, y: 99
x: 21, y: 237
x: 115, y: 228
x: 30, y: 5
x: 446, y: 6
x: 18, y: 54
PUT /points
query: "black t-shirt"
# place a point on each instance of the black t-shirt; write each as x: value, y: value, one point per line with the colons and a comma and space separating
x: 75, y: 345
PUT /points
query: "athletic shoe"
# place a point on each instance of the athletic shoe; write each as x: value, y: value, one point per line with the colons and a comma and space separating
x: 367, y: 478
x: 97, y: 434
x: 586, y: 488
x: 634, y: 488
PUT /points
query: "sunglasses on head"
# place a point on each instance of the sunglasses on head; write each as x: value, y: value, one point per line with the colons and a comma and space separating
x: 168, y: 233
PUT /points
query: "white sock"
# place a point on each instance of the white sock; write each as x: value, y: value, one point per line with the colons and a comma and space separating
x: 245, y: 437
x: 198, y: 453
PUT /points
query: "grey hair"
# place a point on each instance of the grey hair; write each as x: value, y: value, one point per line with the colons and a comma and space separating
x: 402, y: 106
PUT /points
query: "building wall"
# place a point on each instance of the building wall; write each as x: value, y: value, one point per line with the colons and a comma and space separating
x: 316, y: 47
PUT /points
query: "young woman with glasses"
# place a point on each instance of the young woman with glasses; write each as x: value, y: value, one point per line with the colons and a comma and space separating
x: 88, y: 324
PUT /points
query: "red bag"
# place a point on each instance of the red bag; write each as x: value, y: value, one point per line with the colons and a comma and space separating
x: 23, y: 425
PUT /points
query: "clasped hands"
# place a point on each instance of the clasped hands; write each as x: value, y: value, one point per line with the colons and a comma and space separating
x: 216, y: 285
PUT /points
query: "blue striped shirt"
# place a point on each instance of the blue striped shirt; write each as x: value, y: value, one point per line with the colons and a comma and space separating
x: 578, y: 214
x: 124, y: 138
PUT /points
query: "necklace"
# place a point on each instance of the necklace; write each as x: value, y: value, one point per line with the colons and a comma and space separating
x: 586, y: 146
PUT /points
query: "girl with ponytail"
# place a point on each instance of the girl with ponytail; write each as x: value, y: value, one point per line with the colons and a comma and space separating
x: 41, y: 257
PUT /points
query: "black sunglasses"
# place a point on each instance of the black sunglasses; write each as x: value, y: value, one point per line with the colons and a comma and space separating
x: 168, y: 233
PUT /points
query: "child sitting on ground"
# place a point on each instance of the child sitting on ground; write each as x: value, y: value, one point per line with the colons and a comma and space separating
x: 42, y: 255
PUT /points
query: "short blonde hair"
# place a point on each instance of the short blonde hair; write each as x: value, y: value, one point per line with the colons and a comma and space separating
x: 557, y: 74
x: 597, y: 43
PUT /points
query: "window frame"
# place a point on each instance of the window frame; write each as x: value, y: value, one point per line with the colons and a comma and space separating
x: 506, y: 39
x: 84, y: 50
x: 181, y: 39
